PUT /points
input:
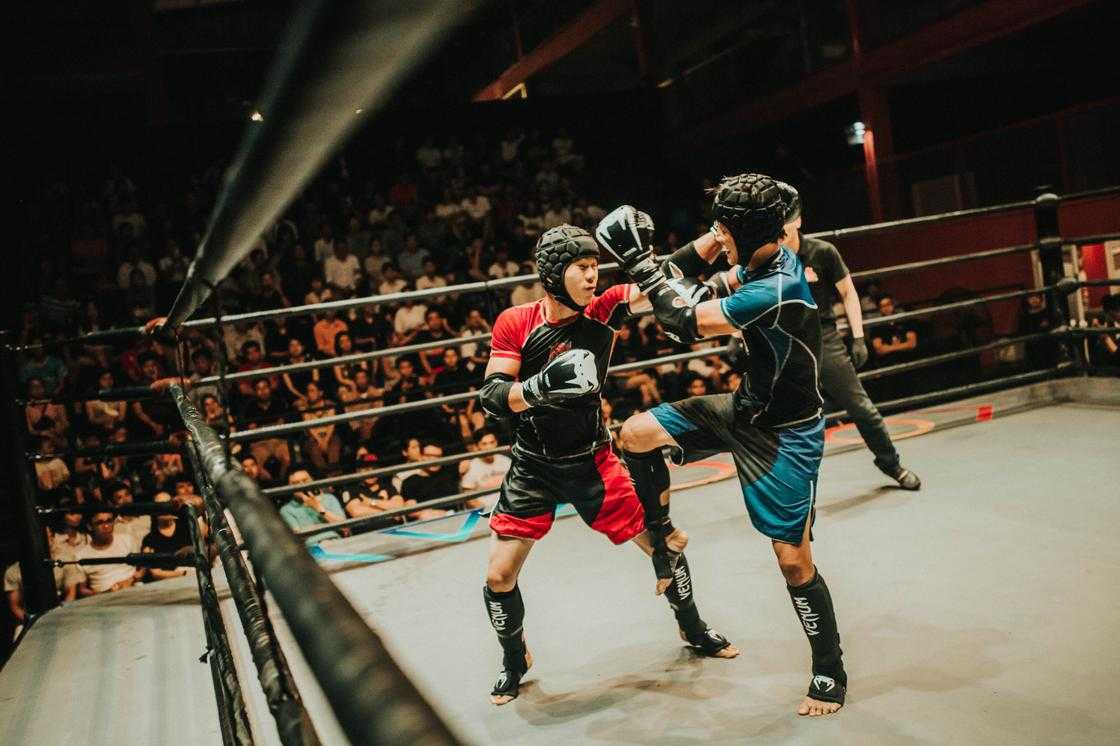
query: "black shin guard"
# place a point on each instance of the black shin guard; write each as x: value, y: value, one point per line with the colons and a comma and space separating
x: 682, y: 602
x: 507, y: 617
x: 813, y: 605
x: 650, y: 475
x: 693, y: 629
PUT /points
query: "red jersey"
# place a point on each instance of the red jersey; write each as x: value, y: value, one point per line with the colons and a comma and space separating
x: 573, y: 427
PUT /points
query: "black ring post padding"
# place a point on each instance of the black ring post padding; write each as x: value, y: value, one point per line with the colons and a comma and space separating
x: 101, y: 335
x: 293, y: 724
x: 142, y: 508
x: 123, y: 393
x: 941, y: 261
x: 1088, y: 193
x: 129, y: 393
x: 372, y: 698
x: 954, y: 306
x: 1078, y: 284
x: 1098, y: 238
x: 454, y: 458
x: 863, y: 230
x: 388, y: 516
x: 227, y: 686
x: 346, y: 359
x: 139, y: 559
x: 925, y: 362
x: 966, y: 390
x: 143, y: 448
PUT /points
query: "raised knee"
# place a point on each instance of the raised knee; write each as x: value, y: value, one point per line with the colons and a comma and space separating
x: 630, y: 437
x: 501, y: 579
x: 796, y: 573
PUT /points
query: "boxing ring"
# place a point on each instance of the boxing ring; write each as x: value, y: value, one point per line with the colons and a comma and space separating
x: 979, y: 609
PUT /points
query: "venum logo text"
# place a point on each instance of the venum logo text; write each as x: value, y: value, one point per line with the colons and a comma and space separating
x: 808, y: 617
x: 498, y: 616
x: 684, y: 582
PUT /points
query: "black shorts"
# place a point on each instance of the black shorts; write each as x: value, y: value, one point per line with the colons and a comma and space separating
x: 598, y: 486
x: 777, y: 466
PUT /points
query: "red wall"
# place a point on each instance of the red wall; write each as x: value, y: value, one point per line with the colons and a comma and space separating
x: 966, y: 235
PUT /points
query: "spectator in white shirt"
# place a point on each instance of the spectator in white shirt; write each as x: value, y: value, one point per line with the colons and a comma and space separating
x: 484, y: 472
x: 409, y: 318
x: 391, y: 280
x: 502, y: 266
x: 449, y: 207
x: 529, y: 291
x: 342, y: 270
x: 431, y: 280
x: 477, y: 207
x: 105, y: 541
x: 380, y: 212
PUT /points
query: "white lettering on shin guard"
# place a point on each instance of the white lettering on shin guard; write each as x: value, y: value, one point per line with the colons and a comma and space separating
x: 684, y: 582
x: 808, y: 617
x: 498, y: 616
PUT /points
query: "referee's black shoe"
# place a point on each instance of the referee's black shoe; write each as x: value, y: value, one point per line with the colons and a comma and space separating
x: 906, y: 479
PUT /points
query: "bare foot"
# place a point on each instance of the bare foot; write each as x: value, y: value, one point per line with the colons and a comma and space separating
x: 816, y: 708
x: 728, y: 652
x: 501, y: 699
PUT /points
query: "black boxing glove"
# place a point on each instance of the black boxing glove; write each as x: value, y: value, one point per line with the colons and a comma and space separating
x: 626, y: 233
x: 567, y: 376
x: 859, y: 352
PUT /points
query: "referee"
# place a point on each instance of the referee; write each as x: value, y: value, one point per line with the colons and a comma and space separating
x: 828, y: 276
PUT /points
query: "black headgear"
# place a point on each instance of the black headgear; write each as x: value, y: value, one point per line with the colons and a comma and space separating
x: 792, y: 199
x: 752, y: 208
x: 556, y: 249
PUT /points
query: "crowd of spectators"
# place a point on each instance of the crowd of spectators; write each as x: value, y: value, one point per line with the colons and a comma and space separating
x: 448, y: 213
x: 453, y: 215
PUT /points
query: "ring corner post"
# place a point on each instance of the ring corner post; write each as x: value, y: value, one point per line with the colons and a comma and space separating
x: 1048, y: 239
x: 40, y: 592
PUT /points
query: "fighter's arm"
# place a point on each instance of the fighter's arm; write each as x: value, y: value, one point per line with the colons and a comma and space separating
x: 500, y: 382
x: 850, y: 298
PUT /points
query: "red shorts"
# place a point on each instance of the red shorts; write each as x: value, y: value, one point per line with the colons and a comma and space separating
x: 597, y: 486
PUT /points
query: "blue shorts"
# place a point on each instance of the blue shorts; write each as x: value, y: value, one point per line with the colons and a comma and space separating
x: 777, y: 467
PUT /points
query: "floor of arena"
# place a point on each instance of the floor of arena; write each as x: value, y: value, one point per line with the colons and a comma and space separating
x: 982, y: 609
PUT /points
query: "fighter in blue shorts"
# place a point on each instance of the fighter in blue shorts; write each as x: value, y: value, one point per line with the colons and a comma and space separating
x: 772, y: 425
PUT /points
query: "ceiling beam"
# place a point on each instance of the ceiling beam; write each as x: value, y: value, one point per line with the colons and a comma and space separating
x: 971, y: 27
x: 569, y: 38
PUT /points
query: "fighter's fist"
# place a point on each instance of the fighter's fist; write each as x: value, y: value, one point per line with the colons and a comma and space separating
x: 626, y: 233
x: 567, y: 376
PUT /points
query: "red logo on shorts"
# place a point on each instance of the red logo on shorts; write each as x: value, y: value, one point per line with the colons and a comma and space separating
x: 559, y: 349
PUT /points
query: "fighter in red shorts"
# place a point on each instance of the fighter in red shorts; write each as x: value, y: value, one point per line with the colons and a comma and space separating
x: 547, y: 364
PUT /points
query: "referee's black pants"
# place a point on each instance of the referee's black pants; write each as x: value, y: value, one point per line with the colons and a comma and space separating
x: 842, y: 385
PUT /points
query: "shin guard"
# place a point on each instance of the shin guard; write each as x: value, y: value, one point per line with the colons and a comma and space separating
x: 813, y: 605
